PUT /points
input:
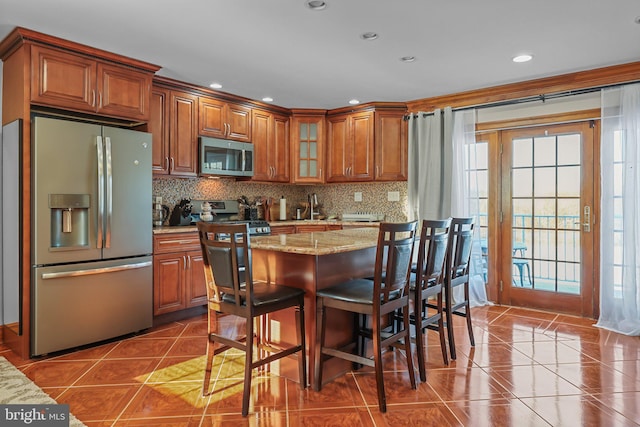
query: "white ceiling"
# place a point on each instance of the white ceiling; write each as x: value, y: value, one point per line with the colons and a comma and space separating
x: 316, y: 59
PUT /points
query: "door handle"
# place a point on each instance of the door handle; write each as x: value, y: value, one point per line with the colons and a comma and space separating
x: 586, y: 225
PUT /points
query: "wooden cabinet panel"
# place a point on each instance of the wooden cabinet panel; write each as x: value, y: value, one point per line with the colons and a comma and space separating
x: 76, y: 82
x: 168, y: 278
x: 391, y: 148
x: 183, y: 131
x: 307, y: 149
x: 283, y: 229
x: 62, y: 79
x: 123, y: 92
x: 219, y: 119
x: 158, y: 126
x: 271, y: 146
x: 350, y: 147
x: 178, y: 275
x: 195, y: 283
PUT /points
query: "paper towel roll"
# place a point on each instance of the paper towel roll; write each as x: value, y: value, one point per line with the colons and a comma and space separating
x: 283, y: 209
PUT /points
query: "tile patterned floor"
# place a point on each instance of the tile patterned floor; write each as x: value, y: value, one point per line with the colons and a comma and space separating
x: 528, y: 368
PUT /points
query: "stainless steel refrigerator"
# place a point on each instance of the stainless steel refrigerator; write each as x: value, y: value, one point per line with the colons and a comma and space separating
x: 92, y: 276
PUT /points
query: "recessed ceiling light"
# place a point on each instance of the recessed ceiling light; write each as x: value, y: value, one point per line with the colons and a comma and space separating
x: 267, y: 99
x: 316, y: 4
x: 354, y: 102
x: 522, y: 58
x: 637, y: 20
x: 215, y: 86
x: 408, y: 58
x: 369, y: 36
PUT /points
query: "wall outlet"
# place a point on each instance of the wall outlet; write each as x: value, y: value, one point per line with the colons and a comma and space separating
x: 393, y: 196
x: 357, y: 196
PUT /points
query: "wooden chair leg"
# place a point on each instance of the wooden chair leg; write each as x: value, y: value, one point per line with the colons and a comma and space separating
x: 377, y: 360
x: 320, y: 322
x: 420, y: 347
x: 208, y: 367
x: 467, y: 313
x: 302, y: 357
x: 449, y: 320
x: 407, y: 347
x: 248, y: 364
x: 443, y: 341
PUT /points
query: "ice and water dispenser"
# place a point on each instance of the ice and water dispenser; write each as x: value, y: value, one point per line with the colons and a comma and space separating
x: 69, y: 220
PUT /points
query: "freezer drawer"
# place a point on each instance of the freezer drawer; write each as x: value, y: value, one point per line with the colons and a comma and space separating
x: 84, y: 303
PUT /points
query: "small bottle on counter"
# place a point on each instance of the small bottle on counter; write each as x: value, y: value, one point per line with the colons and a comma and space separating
x: 283, y: 208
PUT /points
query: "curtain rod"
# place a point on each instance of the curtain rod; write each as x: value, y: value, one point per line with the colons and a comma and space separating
x: 533, y: 98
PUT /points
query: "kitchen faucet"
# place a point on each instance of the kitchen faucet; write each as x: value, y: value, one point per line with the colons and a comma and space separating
x: 313, y: 203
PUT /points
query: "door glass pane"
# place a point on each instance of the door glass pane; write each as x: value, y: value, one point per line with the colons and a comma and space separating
x: 303, y: 168
x: 313, y: 150
x: 313, y: 132
x: 545, y: 213
x: 313, y: 168
x: 545, y: 182
x: 304, y: 131
x: 545, y: 151
x: 522, y: 183
x: 304, y: 151
x: 522, y: 152
x: 569, y: 181
x: 569, y: 148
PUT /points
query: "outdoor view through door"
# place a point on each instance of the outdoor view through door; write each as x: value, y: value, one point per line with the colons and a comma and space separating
x: 547, y: 227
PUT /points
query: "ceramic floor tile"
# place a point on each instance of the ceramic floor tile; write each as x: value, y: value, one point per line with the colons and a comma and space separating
x: 596, y: 377
x: 627, y: 404
x: 576, y: 411
x: 467, y: 384
x: 397, y: 389
x: 496, y: 412
x: 118, y: 371
x: 340, y: 392
x: 550, y: 352
x: 267, y: 394
x: 589, y: 377
x: 98, y: 403
x: 48, y: 373
x: 430, y: 414
x: 532, y: 381
x: 500, y: 354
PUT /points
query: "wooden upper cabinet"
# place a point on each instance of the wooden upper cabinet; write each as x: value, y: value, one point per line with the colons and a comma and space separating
x: 271, y: 146
x: 158, y: 126
x: 183, y: 134
x: 173, y: 126
x: 219, y: 119
x: 307, y: 148
x: 76, y: 82
x: 391, y: 148
x: 350, y: 147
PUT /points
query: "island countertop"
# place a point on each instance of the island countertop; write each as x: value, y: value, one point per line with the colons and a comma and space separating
x: 320, y: 242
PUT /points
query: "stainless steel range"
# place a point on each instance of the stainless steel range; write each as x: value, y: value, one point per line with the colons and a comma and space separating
x: 229, y: 211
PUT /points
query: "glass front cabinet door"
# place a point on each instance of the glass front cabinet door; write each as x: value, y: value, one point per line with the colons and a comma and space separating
x: 308, y: 145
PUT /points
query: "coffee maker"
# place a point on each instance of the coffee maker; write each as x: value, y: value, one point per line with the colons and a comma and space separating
x: 160, y: 212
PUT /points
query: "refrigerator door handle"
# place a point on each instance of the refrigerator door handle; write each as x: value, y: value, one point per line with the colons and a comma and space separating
x: 100, y: 155
x: 109, y: 198
x: 76, y: 273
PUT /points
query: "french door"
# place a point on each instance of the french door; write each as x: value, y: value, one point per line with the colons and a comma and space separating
x: 548, y: 230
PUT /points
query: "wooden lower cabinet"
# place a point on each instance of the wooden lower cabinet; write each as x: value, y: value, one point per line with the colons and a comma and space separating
x: 303, y: 228
x: 178, y: 275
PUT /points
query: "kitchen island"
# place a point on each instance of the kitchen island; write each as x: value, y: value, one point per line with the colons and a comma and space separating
x: 312, y: 261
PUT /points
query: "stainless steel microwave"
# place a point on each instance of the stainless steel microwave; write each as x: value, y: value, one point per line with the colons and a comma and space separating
x: 225, y: 158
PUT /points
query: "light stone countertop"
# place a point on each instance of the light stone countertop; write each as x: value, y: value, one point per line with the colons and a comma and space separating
x: 319, y: 242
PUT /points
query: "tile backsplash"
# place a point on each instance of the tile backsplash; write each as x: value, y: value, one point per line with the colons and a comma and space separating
x: 334, y: 199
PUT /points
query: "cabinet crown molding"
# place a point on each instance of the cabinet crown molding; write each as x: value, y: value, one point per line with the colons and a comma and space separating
x: 20, y: 36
